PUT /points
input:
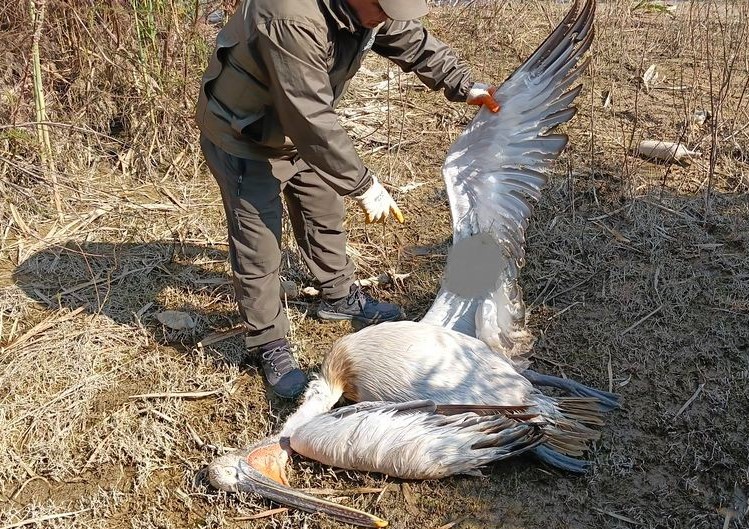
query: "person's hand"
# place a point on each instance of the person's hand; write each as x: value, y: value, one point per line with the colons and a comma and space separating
x: 377, y: 204
x: 482, y: 94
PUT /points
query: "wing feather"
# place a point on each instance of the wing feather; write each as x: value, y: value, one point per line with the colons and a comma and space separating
x: 415, y: 440
x: 493, y: 170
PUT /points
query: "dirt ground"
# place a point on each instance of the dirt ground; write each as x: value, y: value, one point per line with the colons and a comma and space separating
x: 637, y: 275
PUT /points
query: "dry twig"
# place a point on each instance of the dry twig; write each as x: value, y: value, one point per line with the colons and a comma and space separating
x: 181, y: 394
x: 691, y: 400
x: 641, y: 321
x: 46, y: 518
x: 258, y: 516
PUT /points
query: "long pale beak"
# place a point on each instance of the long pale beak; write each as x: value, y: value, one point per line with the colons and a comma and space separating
x: 260, y: 470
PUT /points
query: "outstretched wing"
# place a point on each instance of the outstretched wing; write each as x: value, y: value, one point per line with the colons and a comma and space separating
x: 491, y: 171
x: 416, y: 440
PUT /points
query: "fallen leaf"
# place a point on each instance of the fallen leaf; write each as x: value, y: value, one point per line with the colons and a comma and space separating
x: 176, y: 320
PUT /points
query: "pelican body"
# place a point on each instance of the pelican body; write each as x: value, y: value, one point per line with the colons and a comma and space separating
x: 407, y: 361
x: 451, y: 393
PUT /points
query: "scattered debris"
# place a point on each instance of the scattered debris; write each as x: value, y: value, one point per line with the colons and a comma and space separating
x: 216, y: 18
x: 691, y: 400
x: 675, y: 88
x: 617, y: 516
x: 641, y: 321
x: 411, y: 503
x: 220, y: 336
x: 202, y: 444
x: 160, y: 415
x: 176, y: 320
x: 386, y: 83
x: 649, y: 77
x: 410, y: 187
x: 382, y: 279
x: 616, y: 234
x: 263, y: 514
x: 608, y: 98
x: 666, y: 151
x: 699, y: 117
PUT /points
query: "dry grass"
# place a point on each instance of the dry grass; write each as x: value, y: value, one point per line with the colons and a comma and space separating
x: 637, y: 273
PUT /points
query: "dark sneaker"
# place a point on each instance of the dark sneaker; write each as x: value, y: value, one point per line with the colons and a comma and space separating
x: 359, y: 306
x: 281, y: 369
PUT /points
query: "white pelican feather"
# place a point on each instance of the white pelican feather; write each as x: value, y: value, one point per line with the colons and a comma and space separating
x: 492, y: 169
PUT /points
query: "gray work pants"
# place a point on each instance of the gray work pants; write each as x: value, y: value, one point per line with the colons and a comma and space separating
x: 251, y: 192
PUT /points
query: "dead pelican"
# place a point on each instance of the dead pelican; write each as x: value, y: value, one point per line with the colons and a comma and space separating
x: 412, y: 440
x: 468, y: 349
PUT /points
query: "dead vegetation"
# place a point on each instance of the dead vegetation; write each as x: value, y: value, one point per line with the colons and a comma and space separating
x: 636, y: 276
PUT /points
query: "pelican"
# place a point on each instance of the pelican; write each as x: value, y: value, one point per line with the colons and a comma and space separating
x: 451, y: 393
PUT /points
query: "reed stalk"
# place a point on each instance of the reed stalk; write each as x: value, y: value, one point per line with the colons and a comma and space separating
x: 37, y: 8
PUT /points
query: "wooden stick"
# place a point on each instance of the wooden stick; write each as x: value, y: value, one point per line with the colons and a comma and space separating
x: 221, y: 336
x: 178, y: 394
x: 167, y: 418
x: 691, y: 400
x: 617, y: 516
x: 611, y: 374
x: 264, y: 514
x: 202, y: 444
x: 640, y: 321
x: 565, y: 309
x: 40, y: 519
x: 411, y: 506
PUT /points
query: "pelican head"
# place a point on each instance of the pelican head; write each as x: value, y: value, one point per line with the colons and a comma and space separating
x: 266, y: 458
x: 261, y: 469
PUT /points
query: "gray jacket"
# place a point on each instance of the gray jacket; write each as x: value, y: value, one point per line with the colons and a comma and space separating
x: 281, y: 66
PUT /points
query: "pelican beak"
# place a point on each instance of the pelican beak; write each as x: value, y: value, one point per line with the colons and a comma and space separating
x: 261, y: 469
x: 270, y: 459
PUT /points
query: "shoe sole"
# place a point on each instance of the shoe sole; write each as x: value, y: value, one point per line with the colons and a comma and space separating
x: 285, y: 397
x: 293, y: 396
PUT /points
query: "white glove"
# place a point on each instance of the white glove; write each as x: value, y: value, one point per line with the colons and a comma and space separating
x: 482, y: 94
x: 377, y: 203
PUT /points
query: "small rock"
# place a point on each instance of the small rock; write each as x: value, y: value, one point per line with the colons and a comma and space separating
x: 176, y: 320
